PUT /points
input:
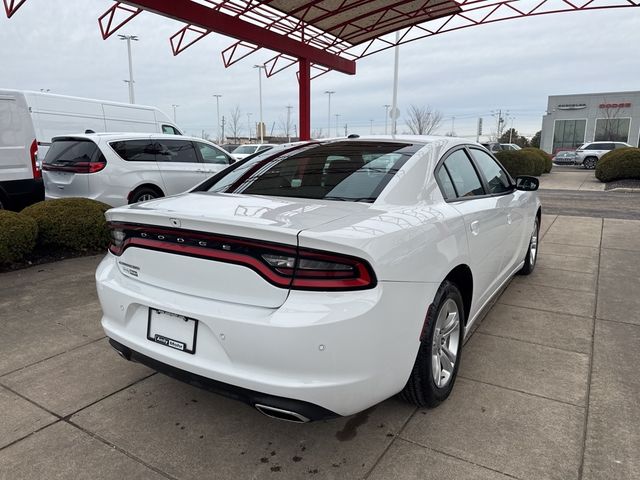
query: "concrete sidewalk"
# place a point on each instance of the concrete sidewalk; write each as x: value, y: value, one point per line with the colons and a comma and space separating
x: 571, y: 178
x: 548, y: 388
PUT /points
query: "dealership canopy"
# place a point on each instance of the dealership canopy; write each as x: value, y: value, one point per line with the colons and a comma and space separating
x: 323, y: 35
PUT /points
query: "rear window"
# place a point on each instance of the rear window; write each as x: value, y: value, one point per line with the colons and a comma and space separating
x: 349, y: 171
x: 68, y: 152
x: 245, y: 149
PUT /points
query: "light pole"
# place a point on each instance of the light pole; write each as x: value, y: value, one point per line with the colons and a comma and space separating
x: 289, y: 107
x: 249, y: 124
x: 337, y: 124
x: 396, y: 63
x: 129, y: 38
x: 329, y: 93
x: 174, y: 112
x: 261, y: 125
x: 386, y: 118
x: 218, y: 96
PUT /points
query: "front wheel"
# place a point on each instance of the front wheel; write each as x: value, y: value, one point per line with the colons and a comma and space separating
x: 590, y: 163
x: 532, y: 251
x: 436, y: 365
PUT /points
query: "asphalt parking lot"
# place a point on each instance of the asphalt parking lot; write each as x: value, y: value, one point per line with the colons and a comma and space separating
x: 548, y: 388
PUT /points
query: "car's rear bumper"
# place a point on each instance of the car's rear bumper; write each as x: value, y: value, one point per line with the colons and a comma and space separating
x: 299, y: 411
x: 342, y: 351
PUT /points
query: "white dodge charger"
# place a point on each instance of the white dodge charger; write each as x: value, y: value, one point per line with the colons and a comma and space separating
x: 319, y: 279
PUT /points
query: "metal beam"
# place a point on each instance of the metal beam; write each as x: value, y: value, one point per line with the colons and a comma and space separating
x: 304, y: 110
x: 209, y: 19
x: 12, y: 6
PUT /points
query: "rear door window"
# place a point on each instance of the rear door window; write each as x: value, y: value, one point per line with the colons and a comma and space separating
x: 180, y: 151
x: 135, y: 150
x: 463, y: 175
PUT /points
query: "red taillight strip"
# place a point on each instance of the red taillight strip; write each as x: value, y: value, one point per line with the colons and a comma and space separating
x: 202, y: 252
x: 361, y: 277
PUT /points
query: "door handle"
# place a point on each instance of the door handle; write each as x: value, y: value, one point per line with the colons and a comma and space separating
x: 475, y: 227
x: 199, y: 170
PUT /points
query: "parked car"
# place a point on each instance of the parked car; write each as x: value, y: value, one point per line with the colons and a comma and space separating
x: 589, y: 153
x: 492, y: 146
x: 320, y: 279
x: 230, y: 147
x: 566, y: 157
x: 20, y: 174
x: 510, y: 146
x: 244, y: 151
x: 118, y: 169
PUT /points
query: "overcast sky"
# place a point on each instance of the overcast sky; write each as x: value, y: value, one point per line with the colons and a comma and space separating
x: 512, y: 65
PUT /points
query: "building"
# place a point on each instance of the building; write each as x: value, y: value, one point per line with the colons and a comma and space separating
x: 572, y: 120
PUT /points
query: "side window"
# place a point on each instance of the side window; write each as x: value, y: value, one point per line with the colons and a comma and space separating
x: 182, y: 151
x: 170, y: 130
x: 620, y: 145
x: 135, y: 150
x: 445, y: 183
x: 463, y: 175
x: 212, y: 155
x: 595, y: 146
x: 497, y: 179
x: 608, y: 146
x: 264, y: 148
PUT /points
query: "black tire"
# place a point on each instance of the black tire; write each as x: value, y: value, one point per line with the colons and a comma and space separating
x: 532, y: 256
x: 590, y: 163
x: 144, y: 194
x: 421, y: 389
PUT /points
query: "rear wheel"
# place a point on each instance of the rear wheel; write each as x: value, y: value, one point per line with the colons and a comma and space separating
x: 436, y: 365
x: 143, y: 194
x: 532, y: 251
x: 590, y: 163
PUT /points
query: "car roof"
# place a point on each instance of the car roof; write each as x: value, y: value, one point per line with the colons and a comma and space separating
x: 109, y: 136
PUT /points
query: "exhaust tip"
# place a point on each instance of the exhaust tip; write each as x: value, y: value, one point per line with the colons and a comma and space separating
x: 280, y: 414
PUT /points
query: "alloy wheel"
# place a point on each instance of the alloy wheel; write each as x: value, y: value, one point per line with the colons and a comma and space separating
x: 533, y: 244
x: 145, y: 197
x: 446, y: 340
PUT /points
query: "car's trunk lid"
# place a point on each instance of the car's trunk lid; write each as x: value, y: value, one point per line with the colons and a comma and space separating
x: 186, y: 220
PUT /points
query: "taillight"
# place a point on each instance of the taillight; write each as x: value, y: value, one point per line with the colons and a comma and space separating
x: 281, y: 265
x: 33, y: 152
x: 77, y: 167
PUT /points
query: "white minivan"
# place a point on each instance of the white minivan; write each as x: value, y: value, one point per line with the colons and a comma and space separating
x: 123, y: 168
x: 29, y: 120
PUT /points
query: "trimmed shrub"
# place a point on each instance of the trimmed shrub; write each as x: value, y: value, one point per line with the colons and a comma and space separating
x: 520, y: 162
x: 546, y: 158
x: 75, y: 224
x: 17, y: 236
x: 620, y: 164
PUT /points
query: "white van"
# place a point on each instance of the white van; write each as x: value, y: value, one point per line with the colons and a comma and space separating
x: 29, y: 120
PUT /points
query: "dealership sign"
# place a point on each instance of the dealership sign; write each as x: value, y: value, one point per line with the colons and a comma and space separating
x: 615, y: 105
x: 572, y: 106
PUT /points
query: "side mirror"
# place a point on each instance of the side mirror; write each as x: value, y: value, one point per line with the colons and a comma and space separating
x: 527, y: 183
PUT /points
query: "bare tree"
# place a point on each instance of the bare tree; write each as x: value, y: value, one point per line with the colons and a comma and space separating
x: 234, y: 122
x: 285, y: 125
x: 317, y: 133
x: 423, y: 120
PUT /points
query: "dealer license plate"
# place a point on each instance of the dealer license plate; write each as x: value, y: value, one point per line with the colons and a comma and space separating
x: 172, y: 330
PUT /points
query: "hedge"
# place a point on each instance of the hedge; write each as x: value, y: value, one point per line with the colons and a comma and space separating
x: 619, y: 164
x: 17, y: 236
x: 521, y: 162
x: 546, y: 158
x: 74, y: 224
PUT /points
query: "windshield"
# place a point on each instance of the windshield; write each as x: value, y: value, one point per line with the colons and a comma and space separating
x: 348, y: 171
x: 245, y: 149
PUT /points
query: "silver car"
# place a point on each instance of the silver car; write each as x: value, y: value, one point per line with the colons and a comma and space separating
x: 588, y: 154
